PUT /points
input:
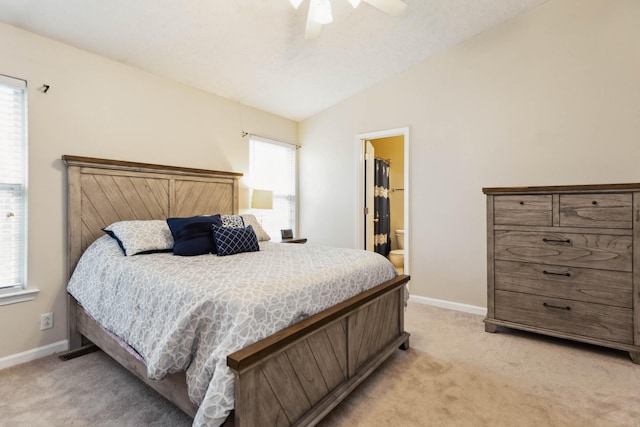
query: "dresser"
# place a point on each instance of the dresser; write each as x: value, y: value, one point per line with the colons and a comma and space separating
x: 565, y: 261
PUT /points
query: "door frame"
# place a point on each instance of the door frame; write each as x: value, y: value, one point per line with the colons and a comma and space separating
x: 360, y: 190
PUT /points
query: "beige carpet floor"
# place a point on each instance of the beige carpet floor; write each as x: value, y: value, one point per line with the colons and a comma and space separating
x: 455, y: 374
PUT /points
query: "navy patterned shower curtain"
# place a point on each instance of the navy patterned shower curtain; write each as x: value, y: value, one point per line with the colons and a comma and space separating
x: 382, y: 239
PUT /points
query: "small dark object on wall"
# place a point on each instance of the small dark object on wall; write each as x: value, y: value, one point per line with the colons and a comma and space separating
x: 44, y: 88
x: 287, y: 234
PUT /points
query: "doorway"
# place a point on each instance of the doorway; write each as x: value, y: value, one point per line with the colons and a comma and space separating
x: 392, y: 147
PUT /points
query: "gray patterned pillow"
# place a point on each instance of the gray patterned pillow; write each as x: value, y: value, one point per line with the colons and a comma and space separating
x: 137, y: 237
x: 233, y: 221
x: 252, y: 221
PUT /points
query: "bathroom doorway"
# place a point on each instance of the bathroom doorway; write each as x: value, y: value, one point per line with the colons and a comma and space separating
x: 386, y: 151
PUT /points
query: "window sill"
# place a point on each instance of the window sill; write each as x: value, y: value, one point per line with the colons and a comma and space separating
x: 14, y: 297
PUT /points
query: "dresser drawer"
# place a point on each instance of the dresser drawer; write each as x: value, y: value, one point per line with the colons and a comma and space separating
x: 599, y: 251
x: 573, y: 317
x: 523, y: 210
x: 596, y: 210
x: 573, y: 283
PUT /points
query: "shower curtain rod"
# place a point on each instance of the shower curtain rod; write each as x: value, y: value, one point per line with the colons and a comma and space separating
x: 384, y: 160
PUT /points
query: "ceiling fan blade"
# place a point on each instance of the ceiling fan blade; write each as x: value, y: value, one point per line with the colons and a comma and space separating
x: 392, y: 7
x: 313, y: 27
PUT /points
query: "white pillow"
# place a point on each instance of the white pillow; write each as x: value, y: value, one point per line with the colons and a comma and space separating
x: 135, y: 237
x: 252, y: 221
x: 233, y: 221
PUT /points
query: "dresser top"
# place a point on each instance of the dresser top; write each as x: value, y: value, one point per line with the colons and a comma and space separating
x: 563, y: 188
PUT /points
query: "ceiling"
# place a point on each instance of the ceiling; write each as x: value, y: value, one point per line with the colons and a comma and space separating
x: 254, y: 51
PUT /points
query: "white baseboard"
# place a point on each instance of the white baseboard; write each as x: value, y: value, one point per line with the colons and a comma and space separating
x: 473, y: 309
x: 36, y: 353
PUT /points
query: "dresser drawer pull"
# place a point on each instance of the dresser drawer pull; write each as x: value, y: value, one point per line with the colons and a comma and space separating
x: 567, y: 241
x: 556, y: 274
x: 565, y: 307
x: 594, y: 203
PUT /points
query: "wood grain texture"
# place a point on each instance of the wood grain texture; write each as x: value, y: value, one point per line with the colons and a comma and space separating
x: 304, y: 380
x: 313, y: 416
x: 107, y: 199
x: 578, y: 278
x: 523, y: 210
x: 574, y: 317
x: 556, y: 210
x: 329, y: 348
x: 490, y: 257
x: 101, y: 192
x: 368, y: 333
x: 636, y: 274
x: 580, y: 284
x: 285, y: 385
x: 600, y: 188
x: 596, y: 210
x: 611, y: 231
x: 207, y: 198
x: 120, y: 165
x: 310, y: 374
x: 497, y: 323
x: 244, y: 358
x: 290, y: 382
x: 252, y: 403
x: 74, y: 336
x: 608, y: 252
x: 74, y: 224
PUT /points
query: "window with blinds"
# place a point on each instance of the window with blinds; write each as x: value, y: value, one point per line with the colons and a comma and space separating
x: 273, y: 167
x: 13, y: 182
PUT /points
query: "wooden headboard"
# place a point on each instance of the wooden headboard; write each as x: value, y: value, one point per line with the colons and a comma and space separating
x: 102, y: 191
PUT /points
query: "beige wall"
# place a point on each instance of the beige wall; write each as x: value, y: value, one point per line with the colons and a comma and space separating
x: 392, y: 148
x: 549, y: 97
x: 100, y: 108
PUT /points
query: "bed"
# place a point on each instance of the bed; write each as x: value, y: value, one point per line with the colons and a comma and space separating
x: 295, y: 375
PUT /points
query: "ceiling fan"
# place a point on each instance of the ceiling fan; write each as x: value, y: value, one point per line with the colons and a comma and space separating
x: 320, y: 12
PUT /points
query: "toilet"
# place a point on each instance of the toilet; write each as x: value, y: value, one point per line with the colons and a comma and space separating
x: 397, y: 256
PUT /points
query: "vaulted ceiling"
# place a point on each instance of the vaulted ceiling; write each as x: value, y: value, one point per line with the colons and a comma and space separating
x: 254, y: 51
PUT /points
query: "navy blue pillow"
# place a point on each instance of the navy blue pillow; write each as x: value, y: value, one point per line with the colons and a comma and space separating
x: 192, y: 236
x: 231, y: 240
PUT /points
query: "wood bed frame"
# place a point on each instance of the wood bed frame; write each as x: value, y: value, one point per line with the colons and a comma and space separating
x: 294, y: 377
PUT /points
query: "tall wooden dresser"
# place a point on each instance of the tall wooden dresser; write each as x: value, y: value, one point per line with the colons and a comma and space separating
x: 565, y: 261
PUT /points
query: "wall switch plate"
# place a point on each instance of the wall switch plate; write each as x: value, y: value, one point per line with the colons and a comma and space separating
x: 46, y: 321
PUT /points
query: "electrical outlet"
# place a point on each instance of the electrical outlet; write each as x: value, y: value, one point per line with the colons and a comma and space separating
x: 46, y: 321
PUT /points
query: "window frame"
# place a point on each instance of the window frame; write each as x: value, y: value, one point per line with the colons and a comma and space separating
x: 20, y: 292
x: 253, y: 184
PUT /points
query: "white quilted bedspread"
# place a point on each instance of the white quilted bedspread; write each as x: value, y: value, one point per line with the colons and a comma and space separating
x: 189, y: 313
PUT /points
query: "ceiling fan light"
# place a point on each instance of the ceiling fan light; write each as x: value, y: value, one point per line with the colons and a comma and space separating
x: 354, y: 3
x: 295, y: 3
x: 321, y: 11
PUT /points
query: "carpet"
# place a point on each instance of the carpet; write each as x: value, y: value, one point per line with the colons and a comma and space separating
x: 455, y: 374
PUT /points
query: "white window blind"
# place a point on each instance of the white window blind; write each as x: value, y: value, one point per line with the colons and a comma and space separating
x: 13, y: 182
x: 273, y: 167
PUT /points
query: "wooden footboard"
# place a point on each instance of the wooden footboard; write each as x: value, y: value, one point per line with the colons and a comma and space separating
x: 296, y: 376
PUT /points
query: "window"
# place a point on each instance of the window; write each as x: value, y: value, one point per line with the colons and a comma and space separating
x: 13, y: 183
x: 273, y: 167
